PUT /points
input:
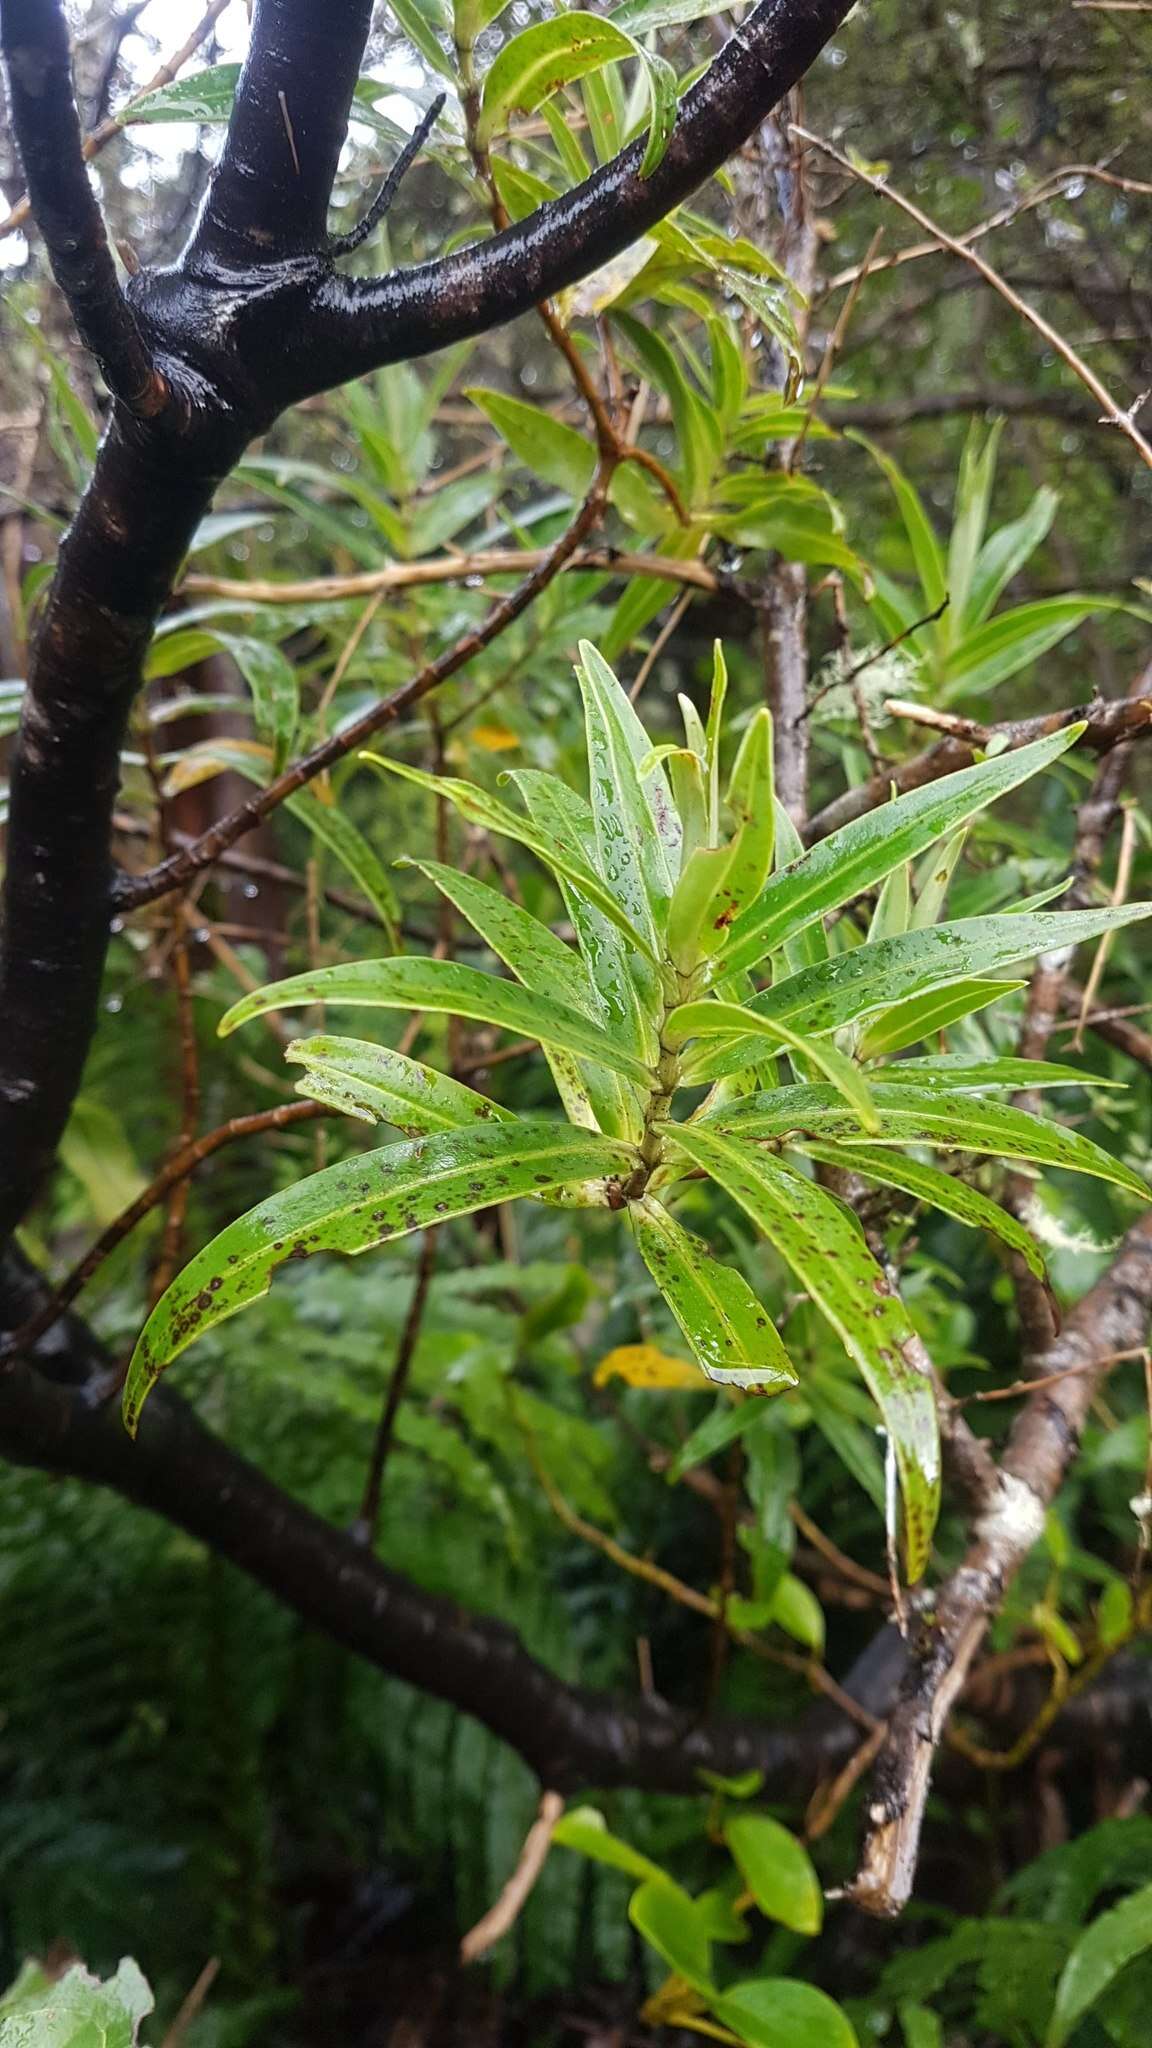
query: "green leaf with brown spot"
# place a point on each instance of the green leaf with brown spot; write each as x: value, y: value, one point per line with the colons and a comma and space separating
x: 731, y: 1333
x: 353, y: 1206
x: 825, y: 1248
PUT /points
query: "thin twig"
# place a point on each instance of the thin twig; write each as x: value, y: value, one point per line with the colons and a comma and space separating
x: 1114, y: 415
x: 459, y: 569
x: 502, y: 1917
x: 343, y: 245
x: 367, y: 1523
x: 870, y: 660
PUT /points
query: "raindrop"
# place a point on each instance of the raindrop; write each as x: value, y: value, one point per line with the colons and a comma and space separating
x: 114, y: 1005
x: 251, y: 891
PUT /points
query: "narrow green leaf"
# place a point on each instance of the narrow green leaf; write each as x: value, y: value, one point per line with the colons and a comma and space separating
x: 926, y: 550
x: 1097, y: 1959
x: 822, y: 1243
x: 852, y: 985
x: 970, y: 515
x: 550, y: 54
x: 940, y: 1190
x: 954, y: 1070
x: 380, y: 1085
x: 547, y: 966
x: 446, y: 987
x: 923, y: 1016
x: 561, y: 814
x: 952, y: 1122
x: 859, y: 855
x: 731, y: 1333
x: 563, y: 457
x: 275, y: 691
x: 777, y: 1870
x: 566, y: 861
x: 358, y: 859
x: 710, y: 1018
x: 352, y: 1206
x: 1005, y: 553
x: 1012, y: 640
x: 205, y: 97
x: 781, y: 2012
x: 637, y: 830
x: 715, y: 1433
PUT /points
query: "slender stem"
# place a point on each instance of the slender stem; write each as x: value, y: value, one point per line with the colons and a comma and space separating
x: 367, y: 1525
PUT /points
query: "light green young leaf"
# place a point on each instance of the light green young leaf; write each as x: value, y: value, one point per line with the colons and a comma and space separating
x: 797, y: 1611
x: 426, y: 23
x: 353, y: 1206
x: 637, y: 831
x: 585, y: 1829
x: 1097, y: 1959
x: 380, y: 1085
x: 940, y: 1190
x: 823, y: 1244
x: 860, y: 854
x: 710, y: 1018
x: 922, y: 1017
x: 970, y: 516
x: 671, y: 1922
x: 444, y: 986
x: 782, y: 2012
x: 1007, y: 643
x: 566, y: 860
x: 933, y: 879
x: 75, y: 2010
x: 777, y: 1870
x: 1005, y: 553
x: 731, y: 1333
x: 561, y: 815
x: 563, y: 457
x: 205, y: 97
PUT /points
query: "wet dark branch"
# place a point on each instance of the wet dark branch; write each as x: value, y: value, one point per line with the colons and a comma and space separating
x: 34, y: 37
x: 268, y: 198
x: 358, y: 323
x: 950, y: 1626
x: 116, y: 568
x: 569, y: 1735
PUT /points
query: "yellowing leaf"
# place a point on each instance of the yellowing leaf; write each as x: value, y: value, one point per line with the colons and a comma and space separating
x: 643, y: 1365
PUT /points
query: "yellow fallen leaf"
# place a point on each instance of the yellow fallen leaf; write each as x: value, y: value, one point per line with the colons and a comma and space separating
x: 643, y: 1365
x: 495, y: 739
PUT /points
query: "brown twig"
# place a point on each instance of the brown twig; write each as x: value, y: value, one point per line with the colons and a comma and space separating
x: 502, y: 1917
x: 174, y: 1170
x: 459, y: 569
x: 367, y: 1523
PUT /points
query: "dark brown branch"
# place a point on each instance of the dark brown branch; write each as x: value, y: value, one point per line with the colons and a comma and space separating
x: 569, y: 1735
x: 34, y: 37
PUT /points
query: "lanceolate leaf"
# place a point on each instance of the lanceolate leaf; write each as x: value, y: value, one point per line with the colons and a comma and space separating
x: 354, y: 1205
x: 563, y: 457
x: 730, y: 1332
x: 1101, y: 1952
x: 955, y: 1071
x: 710, y: 1019
x: 380, y: 1085
x: 637, y: 830
x: 565, y: 860
x: 408, y: 983
x: 921, y: 1017
x: 851, y: 985
x: 356, y: 856
x: 558, y: 811
x: 940, y: 1190
x: 826, y: 1250
x: 535, y: 64
x: 861, y: 854
x: 953, y: 1122
x: 545, y: 964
